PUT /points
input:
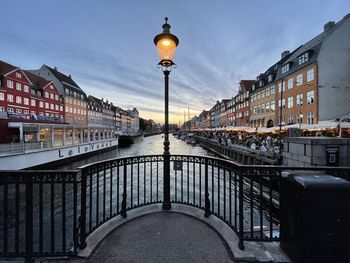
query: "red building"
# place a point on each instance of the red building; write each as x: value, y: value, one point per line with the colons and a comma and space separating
x: 242, y: 102
x: 46, y: 99
x: 25, y: 97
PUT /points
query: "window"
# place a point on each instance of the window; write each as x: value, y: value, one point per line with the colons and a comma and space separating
x: 26, y: 88
x: 26, y: 111
x: 10, y: 109
x: 303, y: 58
x: 310, y: 97
x: 285, y: 68
x: 52, y: 96
x: 281, y: 87
x: 61, y: 108
x: 272, y: 89
x: 10, y: 84
x: 19, y: 86
x: 47, y: 106
x: 56, y: 97
x: 262, y: 108
x: 56, y: 107
x: 32, y: 102
x: 32, y: 112
x: 290, y: 102
x: 67, y: 91
x: 310, y: 75
x: 267, y: 92
x: 310, y: 118
x: 18, y: 75
x: 2, y: 109
x: 299, y: 79
x: 67, y: 109
x: 41, y: 104
x: 46, y: 94
x: 52, y: 107
x: 290, y: 119
x: 2, y: 96
x: 290, y: 83
x: 262, y: 94
x: 267, y: 107
x: 300, y: 99
x: 26, y: 101
x: 269, y: 78
x: 18, y: 111
x: 283, y: 103
x: 66, y: 100
x: 18, y: 99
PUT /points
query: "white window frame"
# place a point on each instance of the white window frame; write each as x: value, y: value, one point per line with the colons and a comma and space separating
x: 290, y: 102
x: 2, y: 96
x: 19, y: 86
x: 299, y: 79
x: 32, y: 103
x: 25, y: 88
x: 19, y: 99
x: 310, y: 97
x: 310, y: 75
x: 290, y: 83
x: 9, y: 84
x: 25, y: 101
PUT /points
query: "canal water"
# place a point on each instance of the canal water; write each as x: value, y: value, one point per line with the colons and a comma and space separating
x: 52, y: 217
x: 148, y: 146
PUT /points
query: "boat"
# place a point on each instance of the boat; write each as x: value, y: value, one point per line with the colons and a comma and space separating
x: 126, y: 139
x: 41, y: 144
x: 183, y: 136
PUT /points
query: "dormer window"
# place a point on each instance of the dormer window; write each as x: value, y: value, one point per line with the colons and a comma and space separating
x: 260, y: 83
x: 253, y: 87
x: 285, y: 68
x: 269, y: 78
x: 303, y: 58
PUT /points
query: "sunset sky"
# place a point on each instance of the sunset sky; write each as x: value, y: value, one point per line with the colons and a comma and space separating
x: 107, y: 46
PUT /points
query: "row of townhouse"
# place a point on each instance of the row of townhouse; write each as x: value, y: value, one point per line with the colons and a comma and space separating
x: 48, y: 96
x: 307, y: 85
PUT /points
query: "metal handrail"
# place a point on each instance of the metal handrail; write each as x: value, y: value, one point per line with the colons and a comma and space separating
x: 70, y: 205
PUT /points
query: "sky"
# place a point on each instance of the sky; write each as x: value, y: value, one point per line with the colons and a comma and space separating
x: 107, y: 46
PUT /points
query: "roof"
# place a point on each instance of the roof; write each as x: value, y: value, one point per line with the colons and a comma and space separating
x: 313, y: 46
x: 6, y: 67
x: 64, y: 78
x: 38, y: 82
x: 247, y: 83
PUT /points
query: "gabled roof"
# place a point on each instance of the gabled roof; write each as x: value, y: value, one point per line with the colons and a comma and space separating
x: 6, y: 67
x: 38, y: 82
x: 92, y: 99
x: 64, y: 78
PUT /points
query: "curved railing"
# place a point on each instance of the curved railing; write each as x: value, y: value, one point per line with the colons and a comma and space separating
x: 247, y: 200
x: 53, y: 212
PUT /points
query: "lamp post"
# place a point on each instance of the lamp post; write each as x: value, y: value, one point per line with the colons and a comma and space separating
x: 166, y: 44
x: 300, y: 120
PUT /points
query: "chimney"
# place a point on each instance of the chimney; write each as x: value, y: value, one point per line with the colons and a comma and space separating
x: 70, y: 76
x: 328, y: 26
x: 285, y: 53
x: 55, y: 68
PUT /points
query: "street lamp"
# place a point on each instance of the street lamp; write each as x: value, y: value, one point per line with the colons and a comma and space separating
x: 300, y: 120
x: 166, y: 44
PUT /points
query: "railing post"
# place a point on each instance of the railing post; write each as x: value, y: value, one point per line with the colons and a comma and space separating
x: 123, y: 210
x: 29, y: 219
x: 241, y: 216
x: 82, y: 218
x: 207, y: 202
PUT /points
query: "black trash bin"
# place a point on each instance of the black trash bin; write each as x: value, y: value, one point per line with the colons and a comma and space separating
x: 314, y: 218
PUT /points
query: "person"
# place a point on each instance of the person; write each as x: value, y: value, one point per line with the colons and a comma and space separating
x: 253, y: 146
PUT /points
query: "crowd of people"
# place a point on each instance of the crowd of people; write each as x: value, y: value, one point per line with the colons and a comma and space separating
x: 259, y: 142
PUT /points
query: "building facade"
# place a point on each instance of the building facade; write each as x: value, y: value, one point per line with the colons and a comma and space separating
x: 242, y: 103
x: 74, y: 97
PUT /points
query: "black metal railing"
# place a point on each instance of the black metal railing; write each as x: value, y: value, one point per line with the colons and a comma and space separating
x: 53, y: 212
